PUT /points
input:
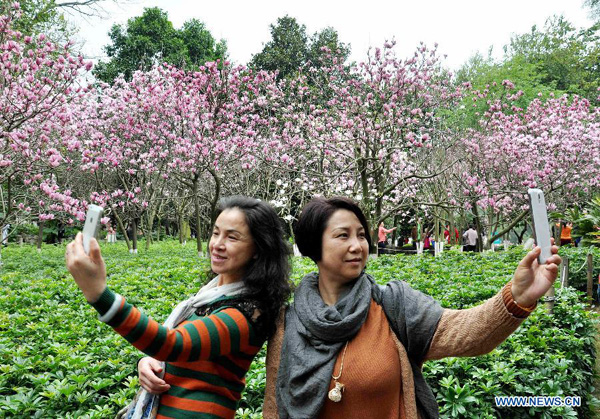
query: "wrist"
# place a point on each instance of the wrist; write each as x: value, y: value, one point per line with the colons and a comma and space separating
x: 513, y: 306
x: 519, y: 298
x: 93, y: 295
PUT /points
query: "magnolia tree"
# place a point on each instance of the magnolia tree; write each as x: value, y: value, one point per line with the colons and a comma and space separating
x: 368, y: 131
x: 125, y: 132
x: 169, y: 143
x: 169, y: 137
x: 553, y: 145
x: 37, y: 82
x: 223, y: 117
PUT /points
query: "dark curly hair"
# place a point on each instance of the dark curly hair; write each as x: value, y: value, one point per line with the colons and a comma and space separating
x: 266, y: 276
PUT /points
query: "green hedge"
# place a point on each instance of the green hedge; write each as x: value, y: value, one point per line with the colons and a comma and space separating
x: 58, y: 360
x: 578, y: 265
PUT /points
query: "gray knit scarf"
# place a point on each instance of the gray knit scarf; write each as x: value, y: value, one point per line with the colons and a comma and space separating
x: 314, y: 334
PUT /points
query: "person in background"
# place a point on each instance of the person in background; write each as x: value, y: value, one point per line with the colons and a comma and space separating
x: 5, y: 231
x: 470, y: 237
x: 382, y: 237
x: 565, y: 234
x: 427, y: 241
x: 209, y: 341
x: 496, y: 243
x: 447, y: 234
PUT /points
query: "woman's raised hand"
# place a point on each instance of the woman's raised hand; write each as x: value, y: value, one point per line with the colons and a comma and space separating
x: 88, y: 271
x: 532, y: 280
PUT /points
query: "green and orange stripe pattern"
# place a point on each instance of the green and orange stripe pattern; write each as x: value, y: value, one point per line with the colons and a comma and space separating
x: 207, y: 357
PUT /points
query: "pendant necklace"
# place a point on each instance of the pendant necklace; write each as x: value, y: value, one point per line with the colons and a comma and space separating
x: 335, y: 395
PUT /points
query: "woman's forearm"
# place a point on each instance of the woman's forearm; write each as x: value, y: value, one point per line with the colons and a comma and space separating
x: 474, y: 331
x: 223, y: 333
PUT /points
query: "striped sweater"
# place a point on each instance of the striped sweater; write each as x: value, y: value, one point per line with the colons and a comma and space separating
x: 206, y: 357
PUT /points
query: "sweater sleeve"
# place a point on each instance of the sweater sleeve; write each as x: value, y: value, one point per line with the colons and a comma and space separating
x: 272, y: 363
x: 474, y: 331
x: 223, y: 333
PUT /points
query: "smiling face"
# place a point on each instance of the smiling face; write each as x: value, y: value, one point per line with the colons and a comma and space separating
x: 231, y: 246
x: 345, y: 248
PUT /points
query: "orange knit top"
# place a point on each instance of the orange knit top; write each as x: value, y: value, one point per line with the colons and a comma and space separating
x: 371, y: 375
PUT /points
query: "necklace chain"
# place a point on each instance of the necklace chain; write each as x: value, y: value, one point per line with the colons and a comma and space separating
x: 342, y: 363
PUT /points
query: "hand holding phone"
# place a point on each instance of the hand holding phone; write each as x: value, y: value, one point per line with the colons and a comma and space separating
x: 91, y: 226
x: 539, y: 218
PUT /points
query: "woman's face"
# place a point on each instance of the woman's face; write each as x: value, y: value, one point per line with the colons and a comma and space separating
x: 345, y: 248
x: 231, y: 246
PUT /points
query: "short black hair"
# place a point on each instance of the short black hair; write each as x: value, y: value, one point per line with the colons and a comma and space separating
x: 313, y: 220
x: 267, y: 276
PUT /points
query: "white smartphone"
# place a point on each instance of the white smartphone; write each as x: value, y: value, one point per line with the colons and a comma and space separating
x: 91, y: 226
x: 539, y: 218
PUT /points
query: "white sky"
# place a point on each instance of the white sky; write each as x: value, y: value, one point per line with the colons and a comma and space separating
x: 461, y: 27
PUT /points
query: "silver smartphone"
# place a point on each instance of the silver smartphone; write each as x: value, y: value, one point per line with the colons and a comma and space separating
x: 91, y: 226
x: 539, y: 218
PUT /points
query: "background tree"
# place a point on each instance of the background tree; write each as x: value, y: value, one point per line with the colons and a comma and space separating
x: 594, y: 6
x: 200, y: 44
x: 565, y: 57
x: 124, y: 128
x: 291, y: 49
x: 48, y: 16
x: 151, y: 39
x: 551, y: 144
x: 484, y: 78
x: 38, y: 80
x: 554, y: 60
x: 373, y: 138
x: 37, y: 16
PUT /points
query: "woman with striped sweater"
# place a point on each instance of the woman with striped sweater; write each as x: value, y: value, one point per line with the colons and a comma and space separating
x: 198, y: 359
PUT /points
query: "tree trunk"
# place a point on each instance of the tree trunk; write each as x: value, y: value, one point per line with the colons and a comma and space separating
x: 213, y: 205
x: 180, y: 225
x: 148, y: 235
x: 550, y: 300
x: 197, y: 212
x: 478, y: 227
x: 565, y: 273
x: 520, y: 235
x: 451, y: 227
x: 134, y: 234
x: 437, y: 228
x: 40, y: 236
x: 510, y: 227
x: 123, y: 230
x: 395, y: 231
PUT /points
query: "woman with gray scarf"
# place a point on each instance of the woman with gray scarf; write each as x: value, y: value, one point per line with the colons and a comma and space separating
x: 348, y: 347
